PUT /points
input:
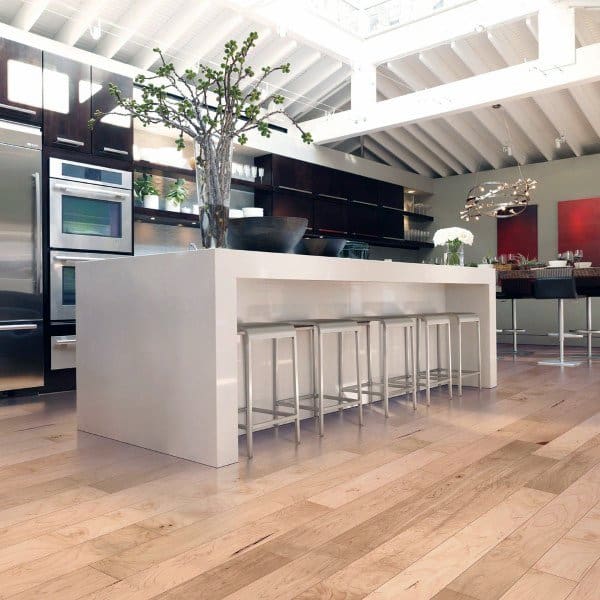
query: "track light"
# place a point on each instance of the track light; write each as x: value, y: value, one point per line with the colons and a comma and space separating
x: 96, y: 30
x: 559, y: 141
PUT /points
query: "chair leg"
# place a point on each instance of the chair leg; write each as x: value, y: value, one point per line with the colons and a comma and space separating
x: 386, y: 374
x: 248, y: 381
x: 460, y: 375
x: 315, y: 369
x: 413, y: 364
x: 449, y: 361
x: 321, y: 402
x: 274, y: 387
x: 561, y: 328
x: 427, y: 366
x: 514, y: 324
x: 588, y: 318
x: 296, y: 388
x: 341, y: 369
x: 478, y: 324
x: 359, y: 388
x: 369, y: 365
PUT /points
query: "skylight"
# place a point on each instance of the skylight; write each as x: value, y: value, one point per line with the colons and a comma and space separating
x: 366, y: 18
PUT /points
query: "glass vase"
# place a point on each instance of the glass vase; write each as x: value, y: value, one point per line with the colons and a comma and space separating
x: 213, y: 184
x: 454, y: 254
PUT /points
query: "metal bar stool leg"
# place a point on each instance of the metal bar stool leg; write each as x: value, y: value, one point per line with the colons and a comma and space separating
x: 386, y: 374
x: 341, y: 368
x: 274, y: 387
x: 358, y: 379
x: 460, y: 374
x: 296, y: 387
x: 478, y: 324
x: 248, y: 381
x: 449, y: 361
x: 427, y: 366
x: 369, y: 365
x: 413, y: 361
x: 321, y: 392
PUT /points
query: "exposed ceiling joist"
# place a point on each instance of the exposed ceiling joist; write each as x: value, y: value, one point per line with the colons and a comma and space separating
x: 74, y: 28
x: 513, y: 82
x: 405, y: 139
x: 395, y: 148
x: 445, y: 27
x: 379, y: 149
x: 299, y: 89
x: 29, y: 13
x: 321, y: 90
x: 436, y: 148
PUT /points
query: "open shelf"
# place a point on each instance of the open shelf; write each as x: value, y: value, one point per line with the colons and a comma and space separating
x: 164, y: 217
x: 417, y: 216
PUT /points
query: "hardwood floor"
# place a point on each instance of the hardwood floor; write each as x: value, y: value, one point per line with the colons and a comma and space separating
x: 492, y: 495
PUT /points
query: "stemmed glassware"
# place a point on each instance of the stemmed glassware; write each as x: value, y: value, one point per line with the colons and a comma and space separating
x: 578, y: 256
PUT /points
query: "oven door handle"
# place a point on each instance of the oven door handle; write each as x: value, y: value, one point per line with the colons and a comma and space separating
x: 72, y: 259
x: 88, y: 192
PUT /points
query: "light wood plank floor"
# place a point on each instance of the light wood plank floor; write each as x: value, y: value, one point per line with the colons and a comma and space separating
x: 492, y: 495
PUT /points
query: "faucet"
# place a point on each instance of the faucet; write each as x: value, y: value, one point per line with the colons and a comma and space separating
x: 192, y: 246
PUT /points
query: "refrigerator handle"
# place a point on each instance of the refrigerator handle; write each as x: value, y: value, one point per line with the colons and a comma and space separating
x: 38, y: 248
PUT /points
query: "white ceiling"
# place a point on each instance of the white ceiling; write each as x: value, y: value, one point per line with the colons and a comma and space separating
x: 320, y: 80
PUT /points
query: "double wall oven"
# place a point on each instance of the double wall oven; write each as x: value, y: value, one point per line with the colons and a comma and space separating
x: 91, y: 214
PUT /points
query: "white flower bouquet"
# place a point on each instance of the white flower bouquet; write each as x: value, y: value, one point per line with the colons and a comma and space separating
x: 453, y: 238
x: 452, y: 234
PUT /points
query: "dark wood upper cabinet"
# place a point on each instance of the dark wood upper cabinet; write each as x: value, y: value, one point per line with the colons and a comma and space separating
x: 390, y: 195
x: 392, y: 224
x: 67, y: 104
x: 113, y: 134
x: 331, y: 216
x: 292, y: 174
x: 364, y: 220
x: 20, y: 82
x: 361, y: 189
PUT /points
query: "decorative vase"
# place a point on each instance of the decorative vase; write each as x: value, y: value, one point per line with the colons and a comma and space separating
x: 455, y: 254
x: 173, y: 205
x: 213, y: 183
x: 151, y: 201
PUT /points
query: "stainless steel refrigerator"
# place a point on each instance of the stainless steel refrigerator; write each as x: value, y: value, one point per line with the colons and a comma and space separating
x: 21, y: 272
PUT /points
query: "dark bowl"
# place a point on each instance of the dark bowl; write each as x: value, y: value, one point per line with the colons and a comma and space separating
x: 322, y: 246
x: 266, y: 234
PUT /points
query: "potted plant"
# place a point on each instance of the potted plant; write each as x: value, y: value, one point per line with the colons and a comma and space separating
x: 214, y: 106
x: 454, y: 239
x: 176, y: 195
x: 144, y: 189
x: 487, y: 262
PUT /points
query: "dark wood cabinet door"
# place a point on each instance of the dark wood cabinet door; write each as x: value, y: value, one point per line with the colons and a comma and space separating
x: 113, y: 134
x: 331, y: 216
x: 390, y: 195
x: 292, y: 204
x: 361, y: 189
x: 364, y: 220
x: 20, y: 82
x: 292, y: 174
x: 67, y: 104
x: 392, y: 224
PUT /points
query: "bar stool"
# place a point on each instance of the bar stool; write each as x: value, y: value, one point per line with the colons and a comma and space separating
x: 439, y: 375
x: 403, y: 383
x: 557, y: 283
x: 514, y: 288
x: 253, y: 333
x: 320, y: 329
x: 463, y: 319
x: 587, y: 284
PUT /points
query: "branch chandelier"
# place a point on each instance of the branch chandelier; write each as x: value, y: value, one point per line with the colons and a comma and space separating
x: 496, y: 198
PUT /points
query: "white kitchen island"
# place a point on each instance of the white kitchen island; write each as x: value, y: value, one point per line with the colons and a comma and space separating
x: 158, y: 359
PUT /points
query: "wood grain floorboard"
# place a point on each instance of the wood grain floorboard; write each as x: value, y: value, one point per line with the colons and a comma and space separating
x: 492, y: 495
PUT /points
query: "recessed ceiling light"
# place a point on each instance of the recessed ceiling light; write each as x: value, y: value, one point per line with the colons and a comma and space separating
x: 410, y: 191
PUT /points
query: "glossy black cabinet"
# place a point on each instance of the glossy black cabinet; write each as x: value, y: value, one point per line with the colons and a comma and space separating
x: 331, y: 216
x: 364, y: 220
x: 67, y: 104
x: 292, y: 174
x: 20, y: 82
x: 390, y: 195
x: 293, y: 204
x: 113, y: 134
x: 392, y: 224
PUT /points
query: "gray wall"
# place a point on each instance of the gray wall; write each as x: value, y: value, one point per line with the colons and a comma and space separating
x: 566, y: 179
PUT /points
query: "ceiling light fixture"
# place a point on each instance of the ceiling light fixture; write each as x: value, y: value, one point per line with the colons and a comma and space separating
x: 560, y: 140
x: 499, y: 199
x: 96, y: 30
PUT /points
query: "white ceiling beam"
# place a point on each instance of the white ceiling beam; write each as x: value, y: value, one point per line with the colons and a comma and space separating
x: 296, y: 21
x: 298, y: 68
x: 134, y: 19
x: 400, y: 152
x: 445, y: 27
x: 301, y: 87
x: 491, y: 151
x: 455, y: 143
x: 347, y: 146
x: 29, y: 13
x: 273, y: 54
x: 477, y: 62
x: 322, y: 90
x: 405, y: 139
x: 75, y: 27
x: 173, y: 30
x: 363, y: 86
x: 213, y: 40
x: 338, y: 100
x: 514, y: 82
x: 437, y: 149
x: 556, y: 27
x: 380, y: 151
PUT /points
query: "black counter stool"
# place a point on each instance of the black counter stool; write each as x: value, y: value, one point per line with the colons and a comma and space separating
x: 587, y: 284
x: 465, y: 319
x: 404, y: 384
x: 263, y: 332
x: 557, y: 283
x: 515, y: 286
x: 321, y: 328
x: 434, y: 376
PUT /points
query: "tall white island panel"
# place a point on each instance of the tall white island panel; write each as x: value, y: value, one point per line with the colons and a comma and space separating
x: 157, y: 343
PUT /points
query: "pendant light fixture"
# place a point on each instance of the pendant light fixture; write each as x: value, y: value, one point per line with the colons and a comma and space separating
x: 499, y: 199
